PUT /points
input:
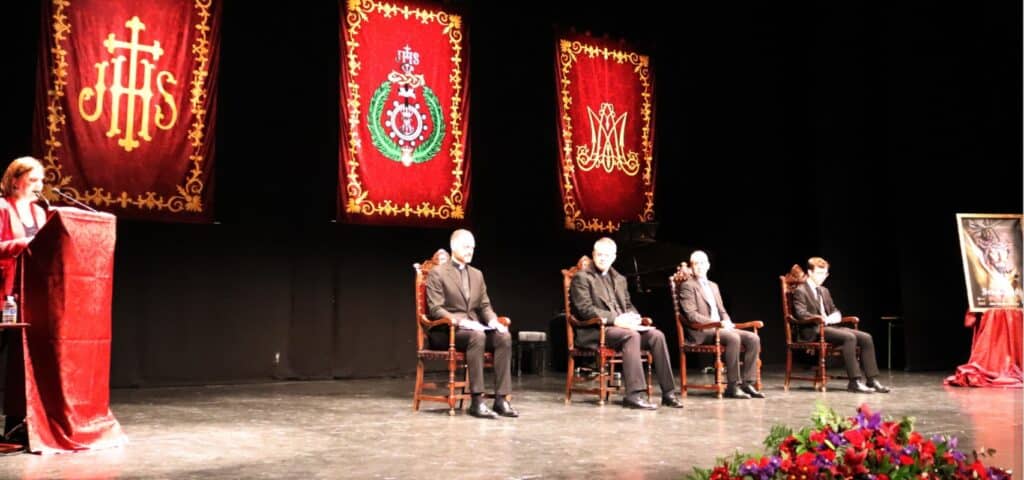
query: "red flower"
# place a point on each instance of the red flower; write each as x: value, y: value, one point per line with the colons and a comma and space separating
x: 915, y: 438
x: 928, y: 452
x: 855, y: 437
x: 806, y: 458
x: 854, y: 456
x: 817, y: 437
x: 788, y: 446
x: 979, y: 470
x: 720, y: 473
x: 906, y: 460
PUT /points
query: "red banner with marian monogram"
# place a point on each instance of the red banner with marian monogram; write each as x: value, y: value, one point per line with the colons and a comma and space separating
x: 404, y: 115
x: 606, y: 134
x: 125, y: 105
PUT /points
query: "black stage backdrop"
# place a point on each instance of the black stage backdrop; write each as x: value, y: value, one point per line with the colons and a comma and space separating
x: 784, y: 131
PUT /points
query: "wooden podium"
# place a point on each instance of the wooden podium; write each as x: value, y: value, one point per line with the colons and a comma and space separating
x: 65, y: 290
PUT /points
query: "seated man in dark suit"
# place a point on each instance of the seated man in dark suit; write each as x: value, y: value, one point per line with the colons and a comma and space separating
x: 702, y: 303
x: 600, y: 291
x: 810, y: 299
x: 456, y: 290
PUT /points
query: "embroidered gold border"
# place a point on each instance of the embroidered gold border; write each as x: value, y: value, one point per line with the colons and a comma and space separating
x: 189, y: 195
x: 568, y: 52
x: 357, y: 202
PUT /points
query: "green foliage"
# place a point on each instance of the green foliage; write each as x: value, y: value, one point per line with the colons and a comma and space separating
x: 776, y: 436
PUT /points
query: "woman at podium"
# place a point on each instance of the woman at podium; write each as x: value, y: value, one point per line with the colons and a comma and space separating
x: 20, y: 218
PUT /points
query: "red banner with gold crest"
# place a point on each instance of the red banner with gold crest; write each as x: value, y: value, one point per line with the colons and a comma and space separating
x: 404, y: 115
x: 606, y: 134
x: 125, y: 105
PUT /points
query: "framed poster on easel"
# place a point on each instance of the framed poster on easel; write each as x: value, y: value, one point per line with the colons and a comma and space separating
x: 990, y: 247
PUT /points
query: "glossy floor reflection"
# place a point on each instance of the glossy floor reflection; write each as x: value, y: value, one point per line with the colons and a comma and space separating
x: 366, y: 429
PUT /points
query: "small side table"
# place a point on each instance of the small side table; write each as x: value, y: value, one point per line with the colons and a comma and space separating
x: 534, y: 342
x: 892, y: 321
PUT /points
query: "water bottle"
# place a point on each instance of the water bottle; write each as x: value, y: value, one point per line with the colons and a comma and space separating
x: 10, y: 314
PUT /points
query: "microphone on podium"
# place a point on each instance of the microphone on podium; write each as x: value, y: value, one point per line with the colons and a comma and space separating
x: 42, y: 201
x: 71, y: 199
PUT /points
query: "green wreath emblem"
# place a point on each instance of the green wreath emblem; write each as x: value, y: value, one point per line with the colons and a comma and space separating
x: 386, y: 146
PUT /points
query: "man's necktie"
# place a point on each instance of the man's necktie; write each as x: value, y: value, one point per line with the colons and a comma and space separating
x: 464, y: 273
x: 710, y: 297
x: 821, y: 300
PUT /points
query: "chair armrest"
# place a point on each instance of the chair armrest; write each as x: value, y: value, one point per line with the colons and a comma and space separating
x: 504, y: 321
x: 586, y: 323
x: 750, y: 324
x: 703, y: 326
x: 850, y: 320
x: 428, y: 323
x: 646, y: 321
x: 815, y: 320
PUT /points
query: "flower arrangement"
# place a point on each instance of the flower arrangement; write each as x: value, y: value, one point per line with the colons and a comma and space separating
x: 862, y: 447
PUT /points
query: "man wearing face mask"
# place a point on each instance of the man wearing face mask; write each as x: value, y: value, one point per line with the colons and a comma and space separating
x: 701, y: 302
x: 811, y: 300
x: 600, y: 292
x: 457, y: 291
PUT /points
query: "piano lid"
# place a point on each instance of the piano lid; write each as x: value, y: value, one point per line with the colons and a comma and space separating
x: 644, y: 260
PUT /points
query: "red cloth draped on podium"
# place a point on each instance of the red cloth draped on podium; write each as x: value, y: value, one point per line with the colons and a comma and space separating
x: 996, y: 355
x: 67, y: 274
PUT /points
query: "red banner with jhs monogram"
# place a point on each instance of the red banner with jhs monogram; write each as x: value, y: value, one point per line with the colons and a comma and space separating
x: 125, y: 109
x: 404, y: 115
x: 606, y: 134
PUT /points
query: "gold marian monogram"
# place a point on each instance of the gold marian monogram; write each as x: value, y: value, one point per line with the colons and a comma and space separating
x: 607, y: 136
x: 117, y: 89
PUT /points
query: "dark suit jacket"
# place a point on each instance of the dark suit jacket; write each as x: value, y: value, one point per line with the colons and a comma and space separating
x: 589, y: 298
x: 696, y: 308
x: 445, y: 297
x: 805, y: 305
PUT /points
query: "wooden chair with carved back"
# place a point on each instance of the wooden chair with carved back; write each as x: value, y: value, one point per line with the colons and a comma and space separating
x: 820, y: 349
x: 453, y: 391
x: 675, y: 281
x: 605, y: 358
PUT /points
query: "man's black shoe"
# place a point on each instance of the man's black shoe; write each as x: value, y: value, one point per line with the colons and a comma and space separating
x: 856, y: 387
x: 734, y: 392
x: 750, y: 390
x: 480, y: 410
x: 671, y: 401
x: 638, y: 401
x: 877, y: 386
x: 503, y: 408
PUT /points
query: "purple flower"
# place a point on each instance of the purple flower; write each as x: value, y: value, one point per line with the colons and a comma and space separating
x: 836, y: 439
x: 822, y: 462
x: 761, y: 473
x: 952, y: 442
x: 937, y: 438
x: 958, y: 456
x: 869, y: 422
x: 997, y: 474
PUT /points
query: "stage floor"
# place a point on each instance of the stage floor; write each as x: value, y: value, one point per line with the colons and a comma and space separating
x: 367, y: 429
